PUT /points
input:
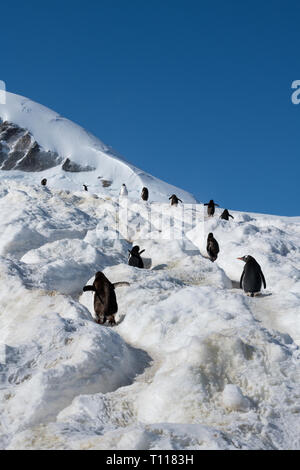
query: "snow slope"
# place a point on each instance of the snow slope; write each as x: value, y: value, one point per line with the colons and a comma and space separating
x: 194, y: 363
x: 62, y: 137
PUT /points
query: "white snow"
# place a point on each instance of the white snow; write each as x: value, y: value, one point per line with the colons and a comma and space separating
x: 192, y: 364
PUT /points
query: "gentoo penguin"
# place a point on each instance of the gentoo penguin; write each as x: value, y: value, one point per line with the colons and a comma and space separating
x: 123, y: 190
x: 225, y: 215
x: 85, y: 187
x: 44, y: 182
x: 145, y: 194
x: 211, y: 207
x: 105, y: 301
x: 174, y: 200
x: 135, y: 257
x: 212, y: 247
x: 252, y: 276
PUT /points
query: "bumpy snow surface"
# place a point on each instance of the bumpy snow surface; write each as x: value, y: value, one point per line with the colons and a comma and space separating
x: 193, y: 363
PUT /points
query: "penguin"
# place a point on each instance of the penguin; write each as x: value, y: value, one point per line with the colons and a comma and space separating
x: 44, y: 182
x: 211, y: 207
x: 85, y: 187
x: 135, y: 257
x: 212, y: 247
x: 252, y: 276
x: 145, y: 194
x: 105, y: 301
x: 174, y: 200
x: 225, y: 215
x: 123, y: 190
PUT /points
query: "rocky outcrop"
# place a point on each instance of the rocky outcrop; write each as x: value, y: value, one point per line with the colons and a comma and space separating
x: 20, y: 151
x: 73, y: 167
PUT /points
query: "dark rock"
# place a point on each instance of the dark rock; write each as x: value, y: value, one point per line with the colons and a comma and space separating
x: 106, y: 183
x: 73, y: 167
x: 20, y: 151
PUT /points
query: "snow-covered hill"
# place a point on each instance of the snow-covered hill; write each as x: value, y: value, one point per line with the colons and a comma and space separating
x: 193, y: 362
x: 34, y: 138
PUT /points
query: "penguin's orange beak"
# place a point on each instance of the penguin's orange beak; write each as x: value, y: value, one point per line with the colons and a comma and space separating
x: 240, y: 259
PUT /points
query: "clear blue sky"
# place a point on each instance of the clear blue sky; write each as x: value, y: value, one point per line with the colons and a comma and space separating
x: 197, y: 93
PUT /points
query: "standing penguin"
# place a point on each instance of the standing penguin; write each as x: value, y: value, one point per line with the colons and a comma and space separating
x: 225, y: 215
x: 145, y: 194
x: 211, y: 207
x: 44, y: 182
x: 212, y: 247
x: 174, y: 200
x: 105, y: 301
x: 252, y: 276
x: 123, y: 190
x: 85, y: 187
x: 135, y: 257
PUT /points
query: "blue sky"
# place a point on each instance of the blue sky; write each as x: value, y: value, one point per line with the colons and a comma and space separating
x: 197, y: 93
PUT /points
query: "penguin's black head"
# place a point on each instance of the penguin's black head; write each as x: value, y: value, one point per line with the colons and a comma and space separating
x: 135, y: 250
x: 210, y: 235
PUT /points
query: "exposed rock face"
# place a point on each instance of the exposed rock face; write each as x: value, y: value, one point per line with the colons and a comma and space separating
x: 68, y: 165
x: 20, y: 151
x: 106, y: 183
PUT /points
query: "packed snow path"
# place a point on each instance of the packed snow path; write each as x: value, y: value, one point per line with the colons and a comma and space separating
x: 194, y: 363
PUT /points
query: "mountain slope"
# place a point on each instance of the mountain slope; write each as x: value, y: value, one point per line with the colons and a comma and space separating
x: 34, y: 138
x: 193, y: 363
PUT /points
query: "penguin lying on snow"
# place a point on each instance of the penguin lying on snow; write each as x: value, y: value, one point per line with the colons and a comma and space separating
x: 225, y: 215
x: 212, y: 247
x: 145, y: 194
x: 174, y: 200
x: 44, y: 182
x: 211, y: 207
x: 135, y: 257
x: 105, y: 301
x: 85, y: 187
x: 252, y: 276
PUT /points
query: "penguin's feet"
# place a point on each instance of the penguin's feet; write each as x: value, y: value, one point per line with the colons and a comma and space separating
x: 111, y: 320
x: 100, y: 320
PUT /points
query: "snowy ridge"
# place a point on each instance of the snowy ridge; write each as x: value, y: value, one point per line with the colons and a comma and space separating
x: 194, y: 363
x: 59, y: 135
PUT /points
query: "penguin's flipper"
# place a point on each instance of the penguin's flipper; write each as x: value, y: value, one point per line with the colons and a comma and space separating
x: 231, y: 216
x: 263, y: 279
x: 141, y: 252
x: 120, y: 284
x: 241, y: 280
x: 89, y: 288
